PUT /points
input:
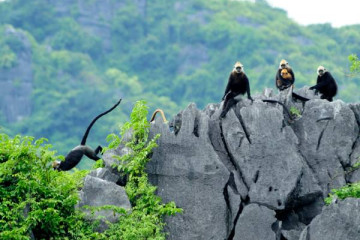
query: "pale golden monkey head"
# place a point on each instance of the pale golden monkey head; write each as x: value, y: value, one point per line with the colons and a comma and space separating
x: 283, y: 64
x: 321, y: 70
x: 238, y: 67
x: 285, y: 74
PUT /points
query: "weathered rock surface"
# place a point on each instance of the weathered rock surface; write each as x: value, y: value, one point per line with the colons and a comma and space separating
x: 340, y: 220
x: 253, y: 216
x: 99, y: 192
x: 186, y: 166
x: 258, y: 173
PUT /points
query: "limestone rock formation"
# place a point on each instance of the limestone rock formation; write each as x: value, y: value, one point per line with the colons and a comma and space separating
x: 98, y: 192
x: 258, y: 173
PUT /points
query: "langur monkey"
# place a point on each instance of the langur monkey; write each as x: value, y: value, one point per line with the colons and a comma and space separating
x: 76, y: 154
x: 281, y: 82
x: 325, y: 84
x: 238, y: 83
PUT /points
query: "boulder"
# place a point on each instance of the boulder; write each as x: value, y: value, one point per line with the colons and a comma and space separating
x: 340, y: 220
x: 98, y: 192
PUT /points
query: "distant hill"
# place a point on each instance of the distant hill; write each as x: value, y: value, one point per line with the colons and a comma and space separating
x: 63, y: 62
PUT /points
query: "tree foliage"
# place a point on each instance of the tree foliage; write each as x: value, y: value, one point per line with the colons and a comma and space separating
x: 85, y: 54
x: 145, y: 221
x: 37, y: 201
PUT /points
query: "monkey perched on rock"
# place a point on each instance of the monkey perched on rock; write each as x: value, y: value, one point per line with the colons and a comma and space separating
x: 76, y: 154
x: 281, y: 82
x: 238, y: 84
x: 285, y: 78
x: 325, y: 84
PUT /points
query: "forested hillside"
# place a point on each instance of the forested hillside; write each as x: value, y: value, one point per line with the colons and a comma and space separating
x: 63, y: 62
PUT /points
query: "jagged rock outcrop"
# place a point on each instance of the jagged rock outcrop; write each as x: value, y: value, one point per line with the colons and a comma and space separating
x: 258, y: 173
x: 16, y: 81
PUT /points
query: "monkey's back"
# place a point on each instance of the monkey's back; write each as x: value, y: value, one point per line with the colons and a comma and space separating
x: 71, y: 160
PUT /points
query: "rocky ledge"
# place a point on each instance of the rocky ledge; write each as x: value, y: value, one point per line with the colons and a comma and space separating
x: 257, y: 173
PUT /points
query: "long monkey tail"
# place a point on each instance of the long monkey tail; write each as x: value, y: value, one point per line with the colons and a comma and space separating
x: 162, y: 115
x: 301, y: 98
x: 83, y: 141
x: 285, y: 108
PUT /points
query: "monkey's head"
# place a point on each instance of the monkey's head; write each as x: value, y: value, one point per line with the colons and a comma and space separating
x: 321, y: 70
x: 283, y: 64
x: 56, y: 164
x: 238, y: 67
x: 285, y: 74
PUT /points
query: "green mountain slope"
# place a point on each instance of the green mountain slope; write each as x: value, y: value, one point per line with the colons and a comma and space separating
x: 84, y: 55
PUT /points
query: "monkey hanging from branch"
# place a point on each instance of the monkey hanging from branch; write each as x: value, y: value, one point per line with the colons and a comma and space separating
x: 76, y: 154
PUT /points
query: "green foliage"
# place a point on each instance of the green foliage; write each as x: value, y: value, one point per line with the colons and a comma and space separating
x: 38, y: 201
x: 7, y: 57
x: 355, y: 63
x: 295, y: 112
x: 350, y: 190
x: 169, y: 53
x: 34, y: 198
x: 145, y: 220
x: 99, y: 164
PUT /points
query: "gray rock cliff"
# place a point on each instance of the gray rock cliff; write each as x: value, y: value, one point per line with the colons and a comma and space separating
x: 257, y: 173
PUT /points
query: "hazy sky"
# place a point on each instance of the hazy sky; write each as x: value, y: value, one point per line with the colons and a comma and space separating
x: 336, y: 12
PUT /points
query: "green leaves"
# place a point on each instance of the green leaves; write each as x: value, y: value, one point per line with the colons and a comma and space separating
x: 350, y: 190
x: 145, y: 220
x: 295, y: 112
x: 355, y: 63
x: 35, y: 198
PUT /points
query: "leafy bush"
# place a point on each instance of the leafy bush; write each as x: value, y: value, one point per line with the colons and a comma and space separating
x: 40, y: 202
x: 355, y: 63
x: 350, y: 190
x: 145, y: 220
x: 34, y: 198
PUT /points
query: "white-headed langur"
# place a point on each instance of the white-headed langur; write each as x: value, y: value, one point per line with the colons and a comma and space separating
x: 238, y: 84
x: 281, y: 82
x: 76, y: 154
x: 325, y: 84
x: 285, y: 78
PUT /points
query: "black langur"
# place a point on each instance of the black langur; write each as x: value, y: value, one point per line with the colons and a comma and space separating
x: 75, y: 155
x: 325, y: 84
x: 281, y: 82
x: 238, y: 84
x: 161, y: 113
